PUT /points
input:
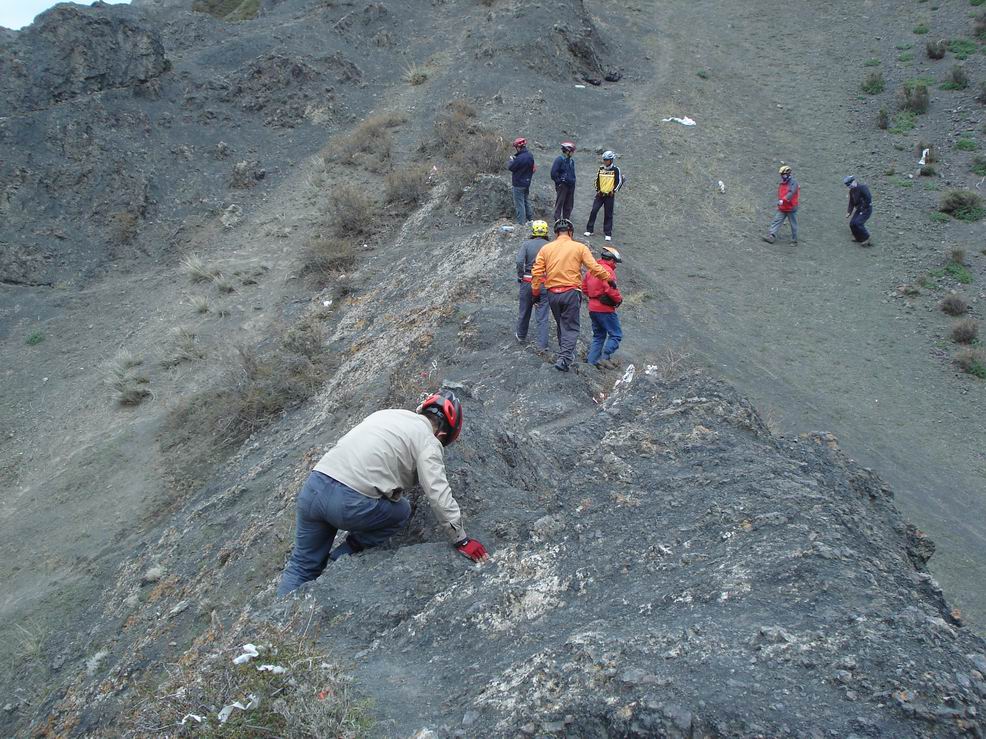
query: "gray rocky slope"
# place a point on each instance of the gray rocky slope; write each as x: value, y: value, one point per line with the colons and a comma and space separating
x: 662, y: 564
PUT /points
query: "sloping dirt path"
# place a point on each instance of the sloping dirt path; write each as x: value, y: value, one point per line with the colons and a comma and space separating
x: 808, y: 332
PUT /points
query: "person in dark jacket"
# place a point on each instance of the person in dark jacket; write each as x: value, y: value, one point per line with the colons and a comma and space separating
x: 860, y: 209
x: 604, y: 299
x: 563, y: 175
x: 525, y: 262
x: 521, y: 166
x: 609, y: 180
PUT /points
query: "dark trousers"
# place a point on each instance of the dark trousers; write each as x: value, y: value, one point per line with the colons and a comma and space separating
x: 325, y: 506
x: 565, y: 308
x: 540, y: 309
x: 564, y: 200
x: 606, y: 202
x: 857, y: 224
x: 606, y: 336
x: 522, y: 204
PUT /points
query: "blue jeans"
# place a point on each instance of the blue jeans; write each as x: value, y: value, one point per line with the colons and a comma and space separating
x: 857, y: 224
x: 522, y: 204
x: 540, y: 310
x: 606, y: 336
x: 325, y: 506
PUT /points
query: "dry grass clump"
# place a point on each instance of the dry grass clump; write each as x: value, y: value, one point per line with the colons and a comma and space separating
x: 883, y: 119
x: 408, y: 186
x: 469, y: 148
x: 128, y: 383
x: 958, y: 79
x: 415, y: 74
x: 199, y: 303
x: 223, y: 283
x: 124, y: 225
x: 184, y: 347
x: 351, y: 212
x: 936, y: 49
x: 972, y: 361
x: 307, y: 697
x: 957, y: 256
x: 979, y: 26
x: 326, y: 256
x: 964, y: 205
x: 874, y: 83
x: 953, y: 305
x: 197, y: 270
x: 369, y: 144
x: 915, y: 98
x: 965, y: 331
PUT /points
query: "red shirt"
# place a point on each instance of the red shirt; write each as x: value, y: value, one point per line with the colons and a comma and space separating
x: 594, y: 288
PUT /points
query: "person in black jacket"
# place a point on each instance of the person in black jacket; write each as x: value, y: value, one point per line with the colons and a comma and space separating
x: 609, y: 180
x: 525, y: 262
x: 563, y: 175
x: 860, y: 209
x: 521, y: 166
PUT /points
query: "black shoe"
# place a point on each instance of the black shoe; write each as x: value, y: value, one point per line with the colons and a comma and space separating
x: 561, y: 367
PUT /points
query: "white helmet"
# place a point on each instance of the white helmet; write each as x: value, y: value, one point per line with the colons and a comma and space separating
x: 609, y: 154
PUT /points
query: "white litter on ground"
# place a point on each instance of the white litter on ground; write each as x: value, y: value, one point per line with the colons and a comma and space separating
x: 580, y: 87
x: 722, y: 186
x: 197, y: 719
x: 924, y: 157
x: 249, y: 652
x: 686, y: 121
x: 276, y: 669
x: 227, y: 711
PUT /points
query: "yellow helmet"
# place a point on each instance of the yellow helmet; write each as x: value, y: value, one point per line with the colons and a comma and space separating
x: 784, y: 170
x: 539, y: 228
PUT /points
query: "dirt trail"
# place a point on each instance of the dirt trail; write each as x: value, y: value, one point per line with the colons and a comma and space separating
x: 807, y: 332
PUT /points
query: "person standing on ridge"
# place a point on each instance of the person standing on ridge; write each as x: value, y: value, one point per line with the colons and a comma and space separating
x: 563, y: 175
x: 604, y: 299
x: 521, y: 166
x: 357, y: 486
x: 787, y: 206
x: 525, y: 263
x: 860, y: 209
x: 609, y: 180
x: 558, y: 267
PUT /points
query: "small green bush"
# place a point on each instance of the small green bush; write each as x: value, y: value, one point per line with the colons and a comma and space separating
x: 978, y: 165
x: 965, y: 331
x: 964, y: 205
x: 915, y: 96
x: 883, y: 119
x: 966, y: 144
x: 874, y: 83
x: 938, y: 217
x: 34, y: 338
x: 921, y: 28
x: 957, y: 79
x: 928, y: 170
x: 871, y: 63
x: 962, y: 47
x: 953, y: 305
x: 979, y: 26
x: 960, y: 272
x: 904, y: 121
x: 906, y: 56
x: 702, y: 74
x: 973, y: 362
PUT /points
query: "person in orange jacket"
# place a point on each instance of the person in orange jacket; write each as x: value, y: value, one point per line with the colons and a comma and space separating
x: 787, y: 206
x: 558, y: 267
x: 604, y: 299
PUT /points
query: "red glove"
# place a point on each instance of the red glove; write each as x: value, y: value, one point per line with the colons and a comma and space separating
x: 472, y: 549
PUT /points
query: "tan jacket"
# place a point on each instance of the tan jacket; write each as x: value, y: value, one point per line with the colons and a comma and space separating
x: 559, y: 264
x: 390, y: 451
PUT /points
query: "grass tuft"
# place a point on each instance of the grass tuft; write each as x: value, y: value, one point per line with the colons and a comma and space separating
x: 874, y: 83
x: 963, y: 205
x: 957, y: 79
x: 903, y: 122
x: 128, y: 383
x: 973, y: 362
x: 965, y: 331
x: 936, y: 49
x: 921, y: 28
x: 966, y: 144
x: 953, y: 305
x: 34, y: 338
x: 199, y: 303
x: 408, y: 186
x: 197, y: 270
x: 914, y: 96
x: 415, y: 74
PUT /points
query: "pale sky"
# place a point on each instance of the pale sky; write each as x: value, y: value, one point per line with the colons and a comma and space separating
x: 18, y: 13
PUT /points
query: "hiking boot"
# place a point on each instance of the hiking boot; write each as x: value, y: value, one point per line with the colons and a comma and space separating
x: 519, y: 340
x: 608, y: 238
x: 794, y: 242
x: 561, y: 367
x: 587, y: 233
x: 769, y: 238
x: 608, y: 364
x: 866, y: 243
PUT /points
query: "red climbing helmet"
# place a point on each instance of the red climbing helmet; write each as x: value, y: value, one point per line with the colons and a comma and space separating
x: 447, y: 408
x: 519, y: 142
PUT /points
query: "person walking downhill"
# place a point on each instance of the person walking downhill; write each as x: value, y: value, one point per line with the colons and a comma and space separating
x: 563, y: 175
x: 521, y: 166
x: 357, y: 486
x: 787, y: 206
x: 609, y: 180
x: 558, y: 268
x: 525, y: 263
x: 604, y: 299
x: 860, y: 209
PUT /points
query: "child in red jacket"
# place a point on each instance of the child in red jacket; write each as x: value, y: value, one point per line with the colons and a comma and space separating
x: 604, y: 299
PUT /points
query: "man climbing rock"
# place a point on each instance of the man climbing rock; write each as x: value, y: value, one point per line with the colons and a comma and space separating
x: 563, y: 175
x: 521, y: 166
x: 609, y: 180
x: 525, y: 263
x: 604, y: 299
x: 787, y: 206
x: 558, y: 268
x: 357, y: 486
x: 860, y: 209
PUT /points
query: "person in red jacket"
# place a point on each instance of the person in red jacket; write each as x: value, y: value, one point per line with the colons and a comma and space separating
x: 604, y: 299
x: 787, y: 206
